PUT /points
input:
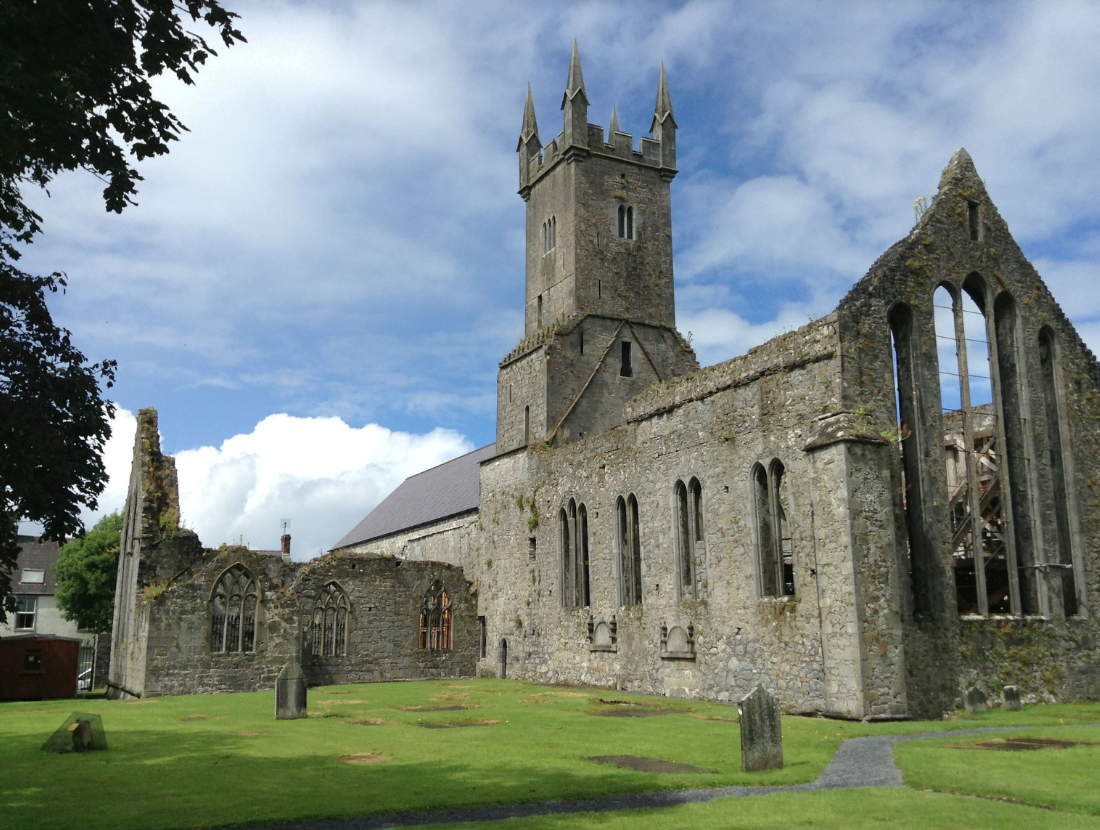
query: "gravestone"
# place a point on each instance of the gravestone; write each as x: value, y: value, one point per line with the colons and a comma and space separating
x: 761, y: 732
x: 975, y: 701
x: 290, y: 692
x: 1010, y: 699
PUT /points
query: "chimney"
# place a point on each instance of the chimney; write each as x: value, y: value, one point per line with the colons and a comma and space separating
x: 285, y: 546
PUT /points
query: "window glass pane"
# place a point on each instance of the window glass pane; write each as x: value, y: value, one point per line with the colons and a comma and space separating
x: 33, y: 577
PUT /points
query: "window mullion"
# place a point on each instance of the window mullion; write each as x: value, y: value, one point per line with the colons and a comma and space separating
x: 973, y: 496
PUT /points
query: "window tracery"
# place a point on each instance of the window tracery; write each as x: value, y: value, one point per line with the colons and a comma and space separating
x: 233, y: 607
x: 435, y: 622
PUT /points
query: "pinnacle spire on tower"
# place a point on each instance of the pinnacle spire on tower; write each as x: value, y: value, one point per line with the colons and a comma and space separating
x: 530, y: 127
x: 575, y: 86
x: 663, y: 109
x: 614, y: 128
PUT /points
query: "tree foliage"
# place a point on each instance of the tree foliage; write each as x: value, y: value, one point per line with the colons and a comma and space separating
x: 75, y: 94
x: 86, y: 572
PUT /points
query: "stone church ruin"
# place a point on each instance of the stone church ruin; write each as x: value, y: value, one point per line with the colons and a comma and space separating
x: 866, y: 516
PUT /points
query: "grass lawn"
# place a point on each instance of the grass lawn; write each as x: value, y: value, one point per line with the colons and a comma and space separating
x: 870, y: 809
x: 204, y: 760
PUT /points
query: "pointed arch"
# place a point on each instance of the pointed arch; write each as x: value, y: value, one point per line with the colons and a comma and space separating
x: 774, y: 541
x: 630, y: 551
x: 436, y: 619
x: 688, y: 512
x: 234, y: 606
x: 329, y: 634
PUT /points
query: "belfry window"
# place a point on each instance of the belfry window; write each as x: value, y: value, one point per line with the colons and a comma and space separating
x: 626, y: 222
x: 630, y: 551
x: 233, y: 607
x: 549, y: 234
x: 435, y: 619
x: 329, y: 631
x: 689, y: 533
x: 573, y: 521
x: 774, y: 547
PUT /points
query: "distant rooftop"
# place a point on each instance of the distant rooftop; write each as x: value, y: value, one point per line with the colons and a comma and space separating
x: 33, y: 572
x: 448, y: 490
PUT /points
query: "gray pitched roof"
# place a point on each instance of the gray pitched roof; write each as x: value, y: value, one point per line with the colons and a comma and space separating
x: 36, y: 556
x: 447, y: 490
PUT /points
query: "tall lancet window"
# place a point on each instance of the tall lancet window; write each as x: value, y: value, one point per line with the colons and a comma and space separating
x: 573, y: 520
x: 626, y: 222
x: 689, y: 535
x: 1048, y: 354
x: 987, y: 478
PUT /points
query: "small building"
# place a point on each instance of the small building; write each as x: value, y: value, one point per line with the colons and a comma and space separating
x: 38, y: 666
x: 37, y: 612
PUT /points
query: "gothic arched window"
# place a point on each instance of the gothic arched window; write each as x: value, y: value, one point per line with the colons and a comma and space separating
x: 626, y: 222
x: 435, y: 619
x: 330, y: 622
x: 774, y: 550
x: 574, y: 555
x: 630, y: 551
x: 234, y: 604
x: 689, y: 532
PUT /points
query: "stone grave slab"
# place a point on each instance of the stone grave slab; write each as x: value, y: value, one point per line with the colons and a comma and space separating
x: 975, y: 701
x: 290, y: 692
x: 1010, y: 699
x: 761, y: 731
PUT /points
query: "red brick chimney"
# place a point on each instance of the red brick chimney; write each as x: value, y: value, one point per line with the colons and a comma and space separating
x: 286, y: 545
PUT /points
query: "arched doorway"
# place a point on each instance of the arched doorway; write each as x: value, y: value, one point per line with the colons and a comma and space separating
x: 503, y: 659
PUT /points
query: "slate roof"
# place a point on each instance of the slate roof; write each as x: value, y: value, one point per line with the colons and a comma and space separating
x: 35, y: 555
x: 439, y: 493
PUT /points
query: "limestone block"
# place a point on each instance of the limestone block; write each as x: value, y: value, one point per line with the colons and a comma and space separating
x: 1010, y: 699
x: 975, y: 700
x: 761, y: 731
x: 290, y: 692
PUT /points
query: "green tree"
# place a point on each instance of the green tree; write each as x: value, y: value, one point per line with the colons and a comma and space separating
x: 75, y: 94
x: 85, y: 574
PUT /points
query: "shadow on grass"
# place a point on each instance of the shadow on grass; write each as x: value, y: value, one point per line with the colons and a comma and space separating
x: 173, y: 779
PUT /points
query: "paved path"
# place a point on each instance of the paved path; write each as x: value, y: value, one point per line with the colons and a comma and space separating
x: 859, y: 762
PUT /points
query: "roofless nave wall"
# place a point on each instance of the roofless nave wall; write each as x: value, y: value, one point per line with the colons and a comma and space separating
x: 644, y: 524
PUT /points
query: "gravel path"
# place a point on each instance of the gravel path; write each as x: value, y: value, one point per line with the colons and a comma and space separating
x: 859, y: 762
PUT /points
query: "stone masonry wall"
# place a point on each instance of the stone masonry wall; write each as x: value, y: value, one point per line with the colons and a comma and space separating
x: 161, y: 644
x: 714, y: 426
x: 962, y: 242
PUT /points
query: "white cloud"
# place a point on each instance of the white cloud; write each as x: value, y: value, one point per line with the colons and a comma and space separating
x: 320, y: 473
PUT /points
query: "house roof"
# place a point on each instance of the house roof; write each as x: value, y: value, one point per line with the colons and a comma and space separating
x: 439, y: 493
x: 35, y: 556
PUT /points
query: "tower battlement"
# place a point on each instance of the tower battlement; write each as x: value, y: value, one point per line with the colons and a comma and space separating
x: 580, y: 138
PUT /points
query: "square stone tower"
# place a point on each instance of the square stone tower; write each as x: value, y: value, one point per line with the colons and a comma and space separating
x: 600, y: 309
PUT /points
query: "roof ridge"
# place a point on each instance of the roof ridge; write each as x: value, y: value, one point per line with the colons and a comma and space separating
x: 452, y: 461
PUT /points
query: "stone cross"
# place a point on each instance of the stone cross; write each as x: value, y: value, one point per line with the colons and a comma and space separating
x: 975, y: 701
x: 1010, y: 699
x: 290, y: 692
x: 761, y: 732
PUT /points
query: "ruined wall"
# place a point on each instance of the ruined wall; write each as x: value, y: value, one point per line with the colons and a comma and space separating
x: 963, y: 243
x: 382, y: 644
x: 385, y: 595
x: 164, y: 616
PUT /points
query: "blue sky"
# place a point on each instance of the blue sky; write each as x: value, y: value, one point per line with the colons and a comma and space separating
x: 320, y: 279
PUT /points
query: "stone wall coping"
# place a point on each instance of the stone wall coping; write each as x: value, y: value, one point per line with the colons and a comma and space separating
x: 813, y: 343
